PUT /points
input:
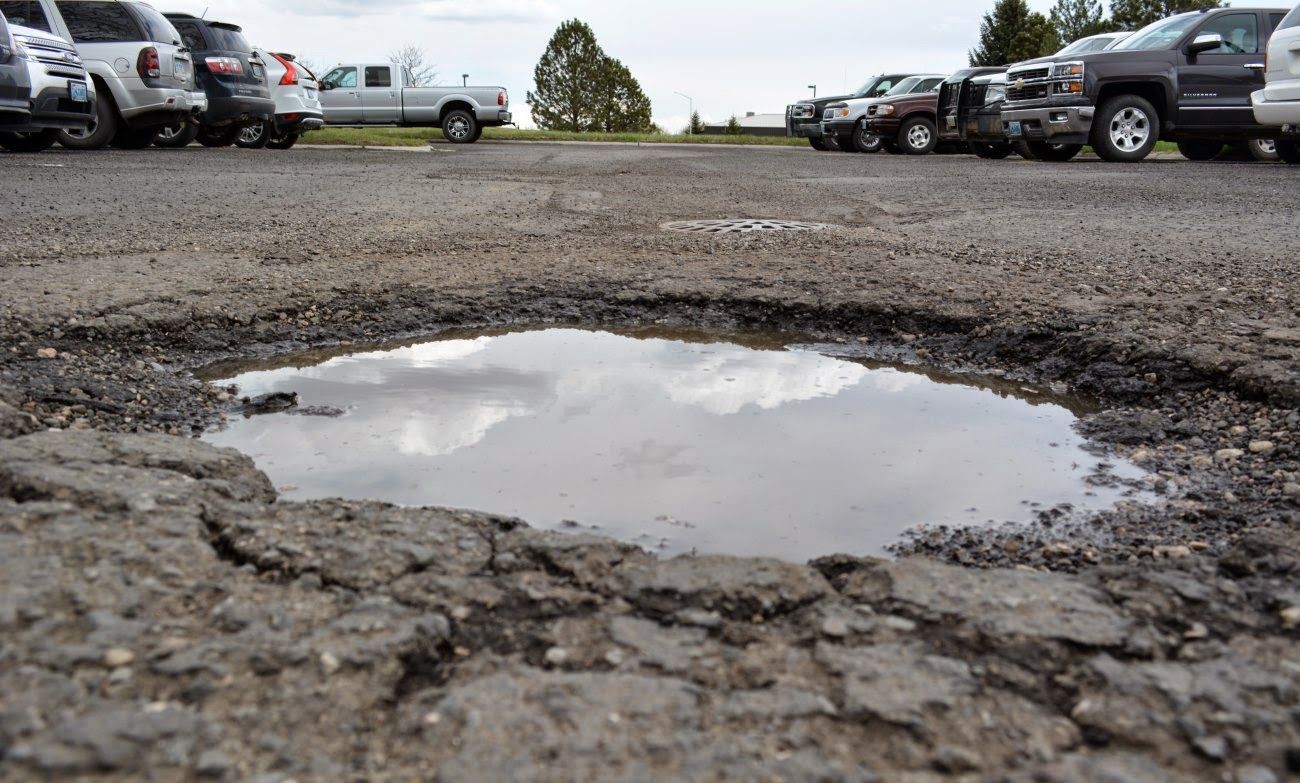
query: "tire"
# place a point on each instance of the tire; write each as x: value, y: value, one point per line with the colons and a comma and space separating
x: 1288, y: 151
x: 459, y: 127
x: 918, y: 136
x: 1055, y: 153
x: 987, y: 151
x: 1125, y: 129
x: 1263, y: 150
x: 865, y: 141
x: 102, y: 129
x: 176, y: 136
x: 36, y: 141
x: 478, y: 134
x: 845, y: 143
x: 218, y: 137
x: 283, y: 142
x: 1200, y: 149
x: 891, y: 146
x: 134, y: 138
x: 819, y: 144
x: 255, y: 136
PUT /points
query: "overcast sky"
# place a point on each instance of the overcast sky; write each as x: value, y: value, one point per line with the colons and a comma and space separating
x: 732, y: 56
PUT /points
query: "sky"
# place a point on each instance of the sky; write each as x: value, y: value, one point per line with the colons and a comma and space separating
x: 730, y: 56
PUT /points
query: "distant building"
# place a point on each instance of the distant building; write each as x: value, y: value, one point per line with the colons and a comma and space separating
x: 752, y: 125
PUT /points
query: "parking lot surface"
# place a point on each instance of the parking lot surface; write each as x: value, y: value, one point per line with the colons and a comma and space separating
x: 164, y: 617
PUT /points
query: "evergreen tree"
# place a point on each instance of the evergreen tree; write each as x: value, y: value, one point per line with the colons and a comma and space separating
x: 623, y: 106
x: 733, y: 127
x: 1075, y: 19
x: 568, y: 80
x: 1136, y: 14
x: 1036, y: 38
x: 999, y: 30
x: 697, y: 125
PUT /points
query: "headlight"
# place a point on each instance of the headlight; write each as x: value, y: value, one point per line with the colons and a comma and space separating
x: 842, y: 112
x: 886, y: 110
x: 995, y: 94
x: 1068, y: 71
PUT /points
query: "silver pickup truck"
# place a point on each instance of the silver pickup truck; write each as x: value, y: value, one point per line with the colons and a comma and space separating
x: 379, y: 95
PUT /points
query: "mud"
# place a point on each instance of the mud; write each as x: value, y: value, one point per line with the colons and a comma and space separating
x: 164, y: 617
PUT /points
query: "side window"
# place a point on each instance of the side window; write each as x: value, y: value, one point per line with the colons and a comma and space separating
x: 929, y: 85
x: 99, y: 22
x: 1240, y: 33
x: 191, y: 35
x: 341, y: 77
x: 26, y: 13
x: 882, y: 88
x: 379, y: 77
x: 1275, y: 20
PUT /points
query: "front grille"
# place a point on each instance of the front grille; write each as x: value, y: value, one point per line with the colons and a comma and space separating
x: 1027, y: 93
x: 976, y: 96
x: 829, y: 114
x: 871, y: 110
x: 1029, y: 75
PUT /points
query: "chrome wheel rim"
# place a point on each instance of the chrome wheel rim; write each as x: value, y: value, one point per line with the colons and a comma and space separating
x: 919, y: 137
x: 458, y: 128
x: 90, y: 129
x: 1267, y: 146
x: 868, y: 139
x: 170, y: 132
x: 252, y: 134
x: 1130, y: 129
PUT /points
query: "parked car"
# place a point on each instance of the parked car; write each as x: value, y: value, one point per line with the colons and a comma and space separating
x: 60, y: 96
x: 15, y: 84
x: 363, y: 94
x: 230, y: 74
x: 1279, y: 102
x: 846, y: 121
x: 906, y: 124
x: 803, y: 119
x: 1186, y: 78
x: 970, y: 111
x: 1095, y: 43
x: 142, y: 75
x: 297, y: 104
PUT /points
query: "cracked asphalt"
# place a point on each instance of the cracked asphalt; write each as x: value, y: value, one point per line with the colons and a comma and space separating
x: 164, y: 617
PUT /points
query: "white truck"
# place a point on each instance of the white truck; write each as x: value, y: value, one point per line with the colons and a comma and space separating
x: 379, y: 94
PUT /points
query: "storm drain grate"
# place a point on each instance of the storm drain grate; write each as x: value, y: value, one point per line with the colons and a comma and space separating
x: 743, y: 226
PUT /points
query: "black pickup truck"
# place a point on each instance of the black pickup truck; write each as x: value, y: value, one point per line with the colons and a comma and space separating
x: 970, y: 111
x: 804, y: 119
x: 1187, y: 78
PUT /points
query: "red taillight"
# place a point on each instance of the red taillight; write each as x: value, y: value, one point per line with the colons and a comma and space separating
x: 147, y: 64
x: 225, y: 66
x: 501, y: 98
x: 289, y: 117
x: 290, y: 77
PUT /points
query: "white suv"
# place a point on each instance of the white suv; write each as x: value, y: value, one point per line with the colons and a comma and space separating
x: 297, y: 104
x: 62, y: 95
x: 1279, y: 102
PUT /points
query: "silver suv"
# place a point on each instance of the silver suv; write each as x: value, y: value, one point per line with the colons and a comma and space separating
x: 61, y: 96
x: 142, y: 72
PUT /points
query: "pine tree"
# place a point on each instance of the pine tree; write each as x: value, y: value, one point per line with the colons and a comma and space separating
x: 1036, y: 38
x: 733, y: 127
x: 1075, y: 19
x: 568, y: 80
x: 623, y: 106
x: 697, y: 125
x: 1136, y: 14
x: 998, y: 32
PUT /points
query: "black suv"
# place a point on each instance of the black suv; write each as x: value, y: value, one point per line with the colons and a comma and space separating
x: 1187, y: 78
x: 804, y: 119
x: 231, y: 75
x: 970, y: 111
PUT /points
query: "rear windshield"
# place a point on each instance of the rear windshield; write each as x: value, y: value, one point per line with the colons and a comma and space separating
x: 156, y: 26
x: 26, y: 13
x: 229, y: 38
x: 1292, y: 19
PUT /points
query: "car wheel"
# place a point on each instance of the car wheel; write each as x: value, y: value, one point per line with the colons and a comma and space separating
x: 36, y: 141
x: 865, y: 141
x: 1288, y: 151
x: 101, y: 130
x: 478, y: 134
x: 818, y: 143
x: 1263, y: 150
x: 283, y: 142
x: 1056, y: 153
x: 218, y: 137
x: 918, y: 136
x: 1125, y: 129
x: 459, y: 127
x: 176, y: 135
x: 983, y: 149
x: 1200, y: 149
x: 134, y: 138
x: 255, y: 136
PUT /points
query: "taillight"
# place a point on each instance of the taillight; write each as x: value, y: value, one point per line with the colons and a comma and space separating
x: 290, y: 77
x: 501, y: 98
x: 147, y: 64
x: 225, y: 66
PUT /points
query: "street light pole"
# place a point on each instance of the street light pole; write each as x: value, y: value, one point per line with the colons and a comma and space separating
x: 813, y: 87
x: 690, y: 124
x: 464, y: 80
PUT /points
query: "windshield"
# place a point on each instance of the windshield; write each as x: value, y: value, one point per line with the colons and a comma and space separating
x: 1084, y: 45
x: 1159, y: 35
x: 867, y: 86
x: 228, y: 38
x: 905, y: 86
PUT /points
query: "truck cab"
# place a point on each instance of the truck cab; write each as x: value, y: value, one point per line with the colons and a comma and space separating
x: 1187, y: 78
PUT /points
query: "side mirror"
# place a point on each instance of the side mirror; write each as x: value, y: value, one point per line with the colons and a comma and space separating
x: 324, y: 87
x: 1205, y: 42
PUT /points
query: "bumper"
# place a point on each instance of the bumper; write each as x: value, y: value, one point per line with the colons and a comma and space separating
x: 164, y: 106
x: 839, y: 127
x: 1275, y: 112
x: 51, y: 108
x: 984, y: 127
x: 298, y: 122
x: 1059, y: 124
x: 236, y: 110
x: 804, y: 129
x: 494, y: 118
x: 885, y: 127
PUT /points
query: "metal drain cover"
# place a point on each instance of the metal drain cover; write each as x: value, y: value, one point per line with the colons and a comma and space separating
x: 743, y: 226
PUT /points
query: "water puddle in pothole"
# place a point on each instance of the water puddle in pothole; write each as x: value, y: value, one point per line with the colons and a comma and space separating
x: 677, y: 442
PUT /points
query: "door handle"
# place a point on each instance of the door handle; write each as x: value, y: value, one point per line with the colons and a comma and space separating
x: 1254, y: 66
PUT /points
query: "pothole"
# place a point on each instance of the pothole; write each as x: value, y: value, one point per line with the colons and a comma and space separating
x: 743, y: 226
x: 678, y: 442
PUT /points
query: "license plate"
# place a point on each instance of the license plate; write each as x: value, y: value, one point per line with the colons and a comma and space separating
x: 77, y: 92
x: 1015, y: 129
x: 257, y: 71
